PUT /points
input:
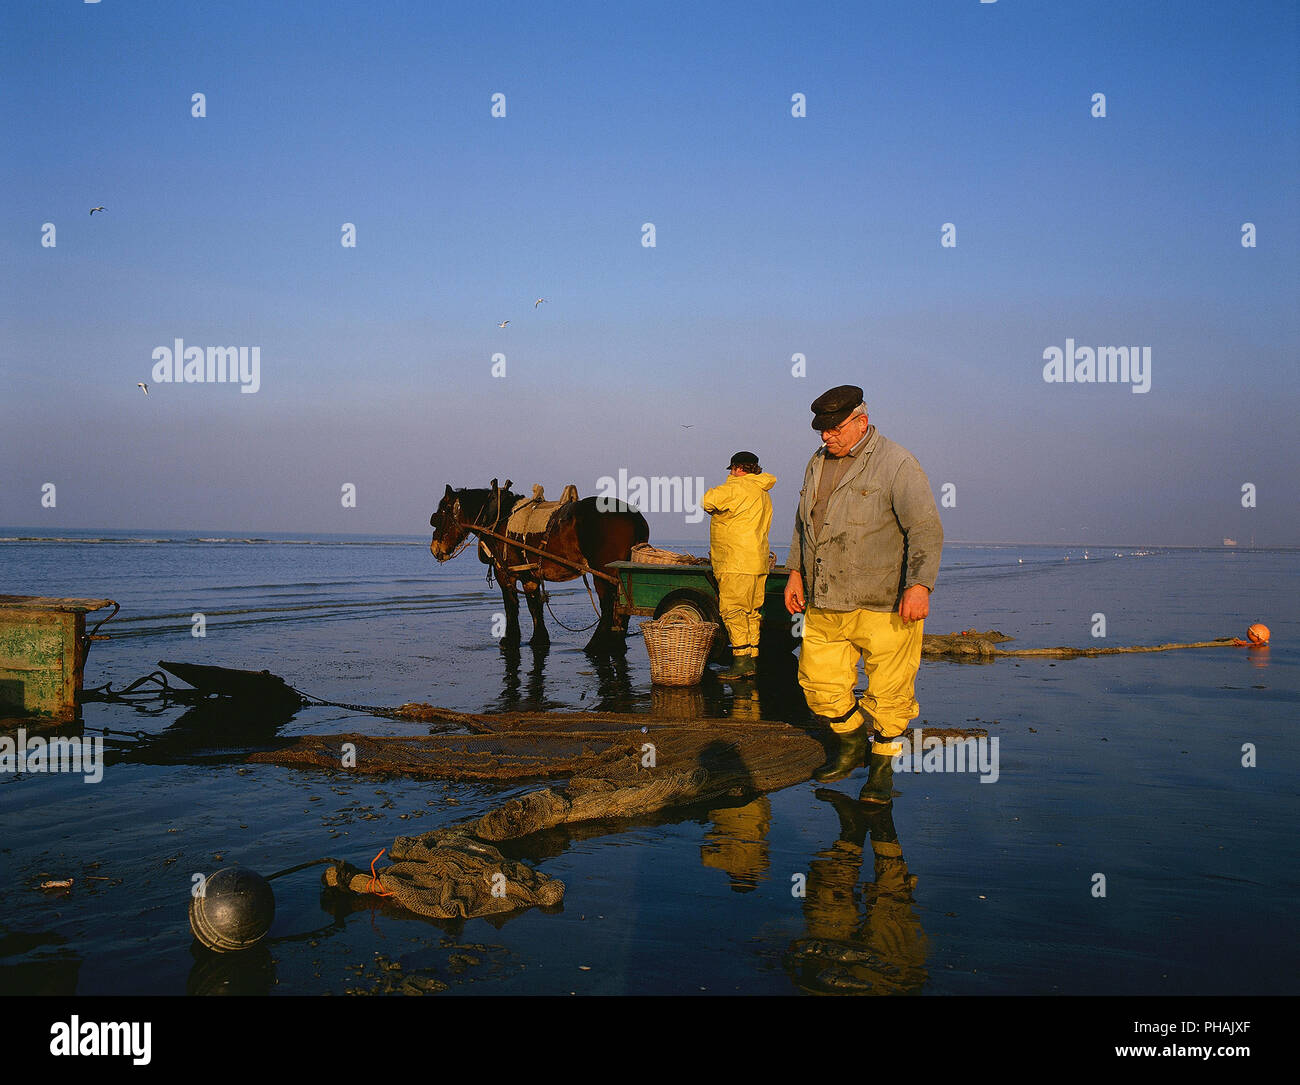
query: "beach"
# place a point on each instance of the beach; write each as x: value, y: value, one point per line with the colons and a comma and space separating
x: 1127, y: 767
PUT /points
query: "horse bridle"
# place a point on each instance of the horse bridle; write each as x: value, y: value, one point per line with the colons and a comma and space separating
x: 469, y: 528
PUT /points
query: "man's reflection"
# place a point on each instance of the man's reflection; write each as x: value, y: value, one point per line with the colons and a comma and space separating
x: 865, y: 939
x: 737, y: 843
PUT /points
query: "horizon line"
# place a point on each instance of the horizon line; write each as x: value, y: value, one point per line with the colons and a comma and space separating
x: 232, y: 534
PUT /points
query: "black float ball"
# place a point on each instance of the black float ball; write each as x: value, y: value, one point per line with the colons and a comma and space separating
x: 234, y: 912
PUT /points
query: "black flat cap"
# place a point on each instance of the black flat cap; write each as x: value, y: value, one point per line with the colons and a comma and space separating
x: 833, y: 407
x: 743, y: 459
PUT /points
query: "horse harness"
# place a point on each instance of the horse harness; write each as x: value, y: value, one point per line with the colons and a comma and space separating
x: 534, y: 517
x: 527, y: 513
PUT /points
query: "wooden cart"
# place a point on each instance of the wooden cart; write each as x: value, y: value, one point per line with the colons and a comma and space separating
x: 652, y: 591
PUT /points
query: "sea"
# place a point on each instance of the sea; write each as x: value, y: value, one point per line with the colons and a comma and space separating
x: 1136, y: 839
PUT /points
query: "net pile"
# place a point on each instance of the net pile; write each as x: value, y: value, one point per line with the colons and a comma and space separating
x: 621, y: 750
x: 455, y: 879
x: 970, y: 644
x: 617, y: 766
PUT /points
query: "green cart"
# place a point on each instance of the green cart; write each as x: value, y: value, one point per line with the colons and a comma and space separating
x: 652, y: 591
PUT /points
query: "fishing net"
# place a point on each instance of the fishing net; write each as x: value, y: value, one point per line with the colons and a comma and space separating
x: 457, y: 878
x: 974, y: 645
x: 601, y: 748
x: 616, y: 766
x: 603, y: 766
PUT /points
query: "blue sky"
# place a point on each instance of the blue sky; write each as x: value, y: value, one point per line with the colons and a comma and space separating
x: 775, y: 235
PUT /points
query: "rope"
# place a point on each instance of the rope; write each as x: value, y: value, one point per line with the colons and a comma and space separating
x: 108, y: 692
x: 374, y: 886
x: 304, y: 866
x: 143, y: 736
x: 547, y: 599
x: 112, y: 614
x: 368, y: 709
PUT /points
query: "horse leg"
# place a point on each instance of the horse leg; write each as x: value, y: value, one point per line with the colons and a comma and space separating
x: 606, y: 639
x: 510, y: 597
x: 533, y: 593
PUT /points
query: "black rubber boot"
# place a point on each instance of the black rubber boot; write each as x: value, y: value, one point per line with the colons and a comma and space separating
x: 741, y: 667
x: 844, y: 754
x: 879, y: 788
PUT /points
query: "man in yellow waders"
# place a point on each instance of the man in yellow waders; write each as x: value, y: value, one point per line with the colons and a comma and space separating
x: 741, y: 515
x: 863, y: 561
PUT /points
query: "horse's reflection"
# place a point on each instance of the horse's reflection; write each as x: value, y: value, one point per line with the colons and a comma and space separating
x: 621, y: 686
x: 523, y: 690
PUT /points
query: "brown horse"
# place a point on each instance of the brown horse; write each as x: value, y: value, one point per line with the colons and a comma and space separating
x: 578, y: 532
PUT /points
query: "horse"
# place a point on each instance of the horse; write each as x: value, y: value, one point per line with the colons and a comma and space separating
x: 592, y: 531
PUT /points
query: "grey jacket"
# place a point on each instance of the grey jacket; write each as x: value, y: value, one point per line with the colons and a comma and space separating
x: 882, y: 532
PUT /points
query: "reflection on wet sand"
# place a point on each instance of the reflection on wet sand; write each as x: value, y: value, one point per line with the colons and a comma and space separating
x: 736, y: 843
x: 248, y: 972
x: 53, y: 972
x: 527, y: 691
x: 773, y: 695
x: 866, y: 939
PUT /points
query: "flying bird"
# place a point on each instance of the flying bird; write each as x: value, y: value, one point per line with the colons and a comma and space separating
x: 503, y: 324
x: 142, y: 386
x: 538, y: 302
x: 94, y: 209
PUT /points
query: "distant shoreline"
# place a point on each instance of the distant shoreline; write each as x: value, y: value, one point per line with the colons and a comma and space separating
x: 213, y: 538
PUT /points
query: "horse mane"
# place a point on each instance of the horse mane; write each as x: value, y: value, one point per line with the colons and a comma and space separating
x: 508, y: 497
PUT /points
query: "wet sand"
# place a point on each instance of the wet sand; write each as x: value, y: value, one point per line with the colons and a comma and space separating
x: 1129, y: 767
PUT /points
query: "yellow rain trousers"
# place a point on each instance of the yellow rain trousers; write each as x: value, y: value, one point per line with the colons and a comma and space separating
x: 890, y: 650
x: 740, y: 601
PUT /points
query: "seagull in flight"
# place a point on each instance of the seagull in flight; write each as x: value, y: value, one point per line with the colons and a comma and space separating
x: 503, y: 324
x: 142, y: 386
x: 100, y: 208
x: 538, y: 302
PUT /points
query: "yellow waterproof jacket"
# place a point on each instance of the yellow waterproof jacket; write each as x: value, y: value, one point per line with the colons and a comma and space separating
x: 741, y: 514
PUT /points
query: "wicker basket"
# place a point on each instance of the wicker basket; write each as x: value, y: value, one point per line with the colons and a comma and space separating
x: 678, y: 646
x: 645, y: 554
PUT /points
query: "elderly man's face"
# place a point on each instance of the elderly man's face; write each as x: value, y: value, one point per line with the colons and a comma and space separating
x: 840, y: 440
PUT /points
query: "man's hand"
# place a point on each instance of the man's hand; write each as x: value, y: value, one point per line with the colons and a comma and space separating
x: 794, y: 593
x: 914, y: 605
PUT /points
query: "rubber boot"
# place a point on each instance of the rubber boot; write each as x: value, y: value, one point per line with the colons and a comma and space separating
x: 845, y: 753
x: 741, y: 667
x: 879, y: 788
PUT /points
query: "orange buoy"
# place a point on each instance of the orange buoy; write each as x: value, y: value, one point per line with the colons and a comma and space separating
x: 1258, y: 634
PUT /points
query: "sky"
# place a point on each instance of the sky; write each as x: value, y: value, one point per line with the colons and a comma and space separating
x: 791, y: 253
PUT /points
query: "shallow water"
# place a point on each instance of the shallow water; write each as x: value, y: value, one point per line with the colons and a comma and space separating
x: 1127, y: 766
